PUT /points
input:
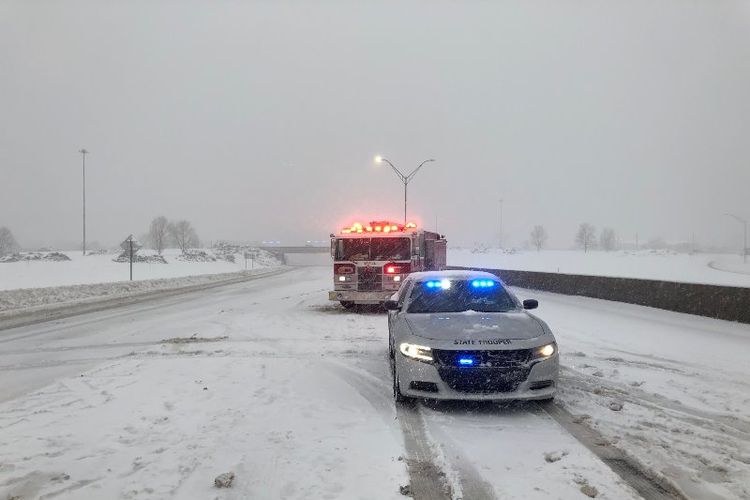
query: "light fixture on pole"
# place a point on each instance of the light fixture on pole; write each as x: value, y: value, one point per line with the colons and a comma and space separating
x: 405, y: 178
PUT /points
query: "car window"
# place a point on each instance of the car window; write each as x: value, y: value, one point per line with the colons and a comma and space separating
x: 459, y: 296
x: 403, y: 292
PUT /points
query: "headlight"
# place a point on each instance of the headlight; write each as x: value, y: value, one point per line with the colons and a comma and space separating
x: 414, y: 351
x: 545, y: 351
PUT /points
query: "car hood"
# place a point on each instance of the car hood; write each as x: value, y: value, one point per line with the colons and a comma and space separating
x: 471, y: 325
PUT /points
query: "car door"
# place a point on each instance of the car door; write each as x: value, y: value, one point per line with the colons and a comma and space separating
x: 395, y: 318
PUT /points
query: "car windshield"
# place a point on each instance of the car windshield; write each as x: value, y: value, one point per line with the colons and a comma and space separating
x: 373, y: 249
x: 431, y: 297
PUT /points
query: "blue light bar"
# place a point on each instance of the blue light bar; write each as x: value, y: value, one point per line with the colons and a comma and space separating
x: 444, y: 284
x: 466, y: 361
x: 483, y: 283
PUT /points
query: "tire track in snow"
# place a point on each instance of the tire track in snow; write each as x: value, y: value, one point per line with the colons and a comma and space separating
x: 471, y: 483
x: 641, y: 480
x: 427, y: 479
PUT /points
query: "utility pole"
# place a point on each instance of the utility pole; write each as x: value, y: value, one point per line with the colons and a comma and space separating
x: 500, y: 240
x: 744, y: 224
x: 83, y: 158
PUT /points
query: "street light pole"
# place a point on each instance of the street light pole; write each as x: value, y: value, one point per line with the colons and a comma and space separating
x: 501, y: 224
x: 404, y: 178
x: 83, y: 157
x: 744, y: 224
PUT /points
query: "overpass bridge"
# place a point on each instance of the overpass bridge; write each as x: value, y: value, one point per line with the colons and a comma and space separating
x: 300, y: 255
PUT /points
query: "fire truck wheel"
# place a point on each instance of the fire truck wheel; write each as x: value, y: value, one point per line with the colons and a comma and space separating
x: 347, y: 304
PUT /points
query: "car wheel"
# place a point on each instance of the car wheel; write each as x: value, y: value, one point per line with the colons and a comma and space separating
x: 397, y: 396
x: 348, y: 304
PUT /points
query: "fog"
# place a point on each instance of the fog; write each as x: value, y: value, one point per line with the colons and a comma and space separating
x: 260, y: 120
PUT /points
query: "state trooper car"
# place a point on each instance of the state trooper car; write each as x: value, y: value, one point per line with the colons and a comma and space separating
x: 464, y: 335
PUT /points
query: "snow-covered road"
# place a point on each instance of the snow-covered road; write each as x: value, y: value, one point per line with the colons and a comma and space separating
x: 268, y: 380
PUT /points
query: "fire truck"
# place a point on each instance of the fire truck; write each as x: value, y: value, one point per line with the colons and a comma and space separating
x: 370, y: 261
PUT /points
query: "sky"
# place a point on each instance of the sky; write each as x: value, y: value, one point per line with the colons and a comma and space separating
x: 260, y: 120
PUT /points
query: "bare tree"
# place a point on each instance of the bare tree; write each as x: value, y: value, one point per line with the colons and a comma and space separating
x: 586, y: 236
x: 8, y: 243
x: 608, y: 239
x: 538, y: 237
x: 158, y: 233
x: 184, y: 235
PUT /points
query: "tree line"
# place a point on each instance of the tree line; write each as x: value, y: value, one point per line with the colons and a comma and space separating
x: 8, y: 243
x: 586, y: 238
x: 163, y: 232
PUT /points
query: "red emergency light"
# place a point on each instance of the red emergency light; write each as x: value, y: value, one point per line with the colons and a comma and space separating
x: 379, y: 227
x: 396, y: 268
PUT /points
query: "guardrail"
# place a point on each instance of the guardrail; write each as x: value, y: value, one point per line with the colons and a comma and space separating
x: 713, y: 301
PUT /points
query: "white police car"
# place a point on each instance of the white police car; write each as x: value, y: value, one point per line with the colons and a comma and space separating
x: 464, y: 335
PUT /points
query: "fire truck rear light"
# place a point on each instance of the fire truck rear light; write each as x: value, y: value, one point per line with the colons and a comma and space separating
x: 397, y: 278
x: 390, y: 269
x: 342, y: 278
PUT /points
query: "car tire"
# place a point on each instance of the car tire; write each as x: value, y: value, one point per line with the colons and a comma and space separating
x: 348, y: 304
x: 397, y: 396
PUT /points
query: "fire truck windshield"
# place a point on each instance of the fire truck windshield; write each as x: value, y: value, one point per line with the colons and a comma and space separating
x: 373, y: 249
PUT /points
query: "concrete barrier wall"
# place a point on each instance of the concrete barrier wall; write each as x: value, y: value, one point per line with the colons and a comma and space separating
x: 721, y: 302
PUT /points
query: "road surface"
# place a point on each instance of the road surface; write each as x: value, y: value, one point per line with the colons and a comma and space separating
x: 291, y: 393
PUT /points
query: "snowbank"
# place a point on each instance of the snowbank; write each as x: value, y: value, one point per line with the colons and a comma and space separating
x: 101, y: 268
x: 12, y: 301
x: 712, y: 269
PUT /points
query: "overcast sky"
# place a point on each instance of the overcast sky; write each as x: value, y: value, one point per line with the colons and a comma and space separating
x: 259, y: 120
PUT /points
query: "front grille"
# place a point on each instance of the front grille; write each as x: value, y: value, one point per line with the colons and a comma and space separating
x: 510, y: 358
x: 492, y: 371
x: 483, y: 380
x: 370, y: 279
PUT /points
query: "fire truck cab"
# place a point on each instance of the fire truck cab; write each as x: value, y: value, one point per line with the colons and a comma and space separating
x: 370, y: 261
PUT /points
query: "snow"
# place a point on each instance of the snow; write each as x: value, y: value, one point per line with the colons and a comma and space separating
x: 33, y: 299
x: 100, y: 268
x: 714, y: 269
x: 291, y: 393
x: 682, y: 381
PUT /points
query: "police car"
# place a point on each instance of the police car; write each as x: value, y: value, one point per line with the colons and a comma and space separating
x: 463, y: 335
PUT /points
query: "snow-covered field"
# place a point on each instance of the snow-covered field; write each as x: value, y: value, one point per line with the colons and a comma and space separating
x: 269, y: 380
x: 102, y: 269
x: 715, y: 269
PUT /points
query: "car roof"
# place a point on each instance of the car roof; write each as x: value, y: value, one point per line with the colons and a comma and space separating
x: 455, y: 274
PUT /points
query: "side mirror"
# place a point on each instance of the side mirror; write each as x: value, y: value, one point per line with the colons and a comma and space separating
x: 391, y: 305
x: 530, y: 304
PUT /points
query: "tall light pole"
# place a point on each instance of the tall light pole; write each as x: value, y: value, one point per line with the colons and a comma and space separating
x: 83, y: 157
x: 744, y: 223
x: 404, y: 178
x: 500, y: 240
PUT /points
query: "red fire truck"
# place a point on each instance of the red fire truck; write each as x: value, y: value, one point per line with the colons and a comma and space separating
x: 370, y: 261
